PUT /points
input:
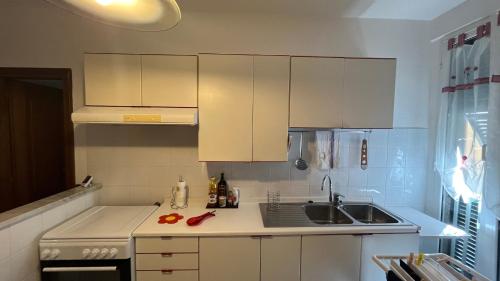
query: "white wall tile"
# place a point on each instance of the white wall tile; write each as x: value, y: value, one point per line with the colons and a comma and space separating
x: 165, y: 154
x: 53, y: 217
x: 5, y: 269
x: 24, y: 263
x: 5, y: 238
x: 25, y: 233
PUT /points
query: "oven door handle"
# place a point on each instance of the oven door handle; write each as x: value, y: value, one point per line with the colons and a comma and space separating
x: 76, y: 269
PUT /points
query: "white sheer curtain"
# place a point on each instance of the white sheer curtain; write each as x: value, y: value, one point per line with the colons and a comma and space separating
x: 463, y: 122
x: 492, y: 182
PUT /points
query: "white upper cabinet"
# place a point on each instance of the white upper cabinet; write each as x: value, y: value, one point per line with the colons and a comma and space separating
x: 342, y: 93
x: 270, y: 108
x: 141, y: 80
x: 243, y: 108
x: 369, y: 86
x: 169, y: 80
x: 112, y: 80
x: 316, y: 92
x: 225, y: 108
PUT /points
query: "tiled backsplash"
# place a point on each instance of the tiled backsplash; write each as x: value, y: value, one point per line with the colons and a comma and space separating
x: 19, y: 243
x: 140, y: 164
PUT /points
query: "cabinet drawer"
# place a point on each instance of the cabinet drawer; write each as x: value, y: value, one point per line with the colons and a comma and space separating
x: 174, y: 275
x: 155, y: 245
x: 166, y: 261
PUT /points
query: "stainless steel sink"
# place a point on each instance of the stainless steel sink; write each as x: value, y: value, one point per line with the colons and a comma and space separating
x: 326, y: 214
x: 369, y: 214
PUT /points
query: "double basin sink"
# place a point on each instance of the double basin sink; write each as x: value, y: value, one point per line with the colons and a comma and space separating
x: 326, y: 214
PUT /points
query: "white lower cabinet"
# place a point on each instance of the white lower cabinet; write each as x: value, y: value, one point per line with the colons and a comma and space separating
x: 384, y: 244
x: 169, y: 275
x: 280, y: 258
x: 269, y: 258
x: 229, y: 258
x: 331, y: 258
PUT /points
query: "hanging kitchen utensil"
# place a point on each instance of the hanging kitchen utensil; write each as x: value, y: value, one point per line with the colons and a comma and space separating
x: 364, y: 153
x: 300, y: 163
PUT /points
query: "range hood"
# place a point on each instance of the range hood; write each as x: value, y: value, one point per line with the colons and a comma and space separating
x: 135, y: 115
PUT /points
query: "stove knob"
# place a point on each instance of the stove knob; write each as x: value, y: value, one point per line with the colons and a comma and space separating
x: 85, y: 253
x: 104, y: 253
x: 55, y: 253
x: 94, y: 253
x: 45, y: 254
x: 113, y: 252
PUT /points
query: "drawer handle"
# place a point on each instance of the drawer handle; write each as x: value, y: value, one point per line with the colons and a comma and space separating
x: 167, y: 271
x: 166, y: 238
x: 166, y: 255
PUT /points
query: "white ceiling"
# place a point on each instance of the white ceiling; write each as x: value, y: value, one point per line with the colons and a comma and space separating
x: 379, y: 9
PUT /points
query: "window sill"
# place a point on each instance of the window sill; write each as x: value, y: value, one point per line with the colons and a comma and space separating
x: 27, y: 211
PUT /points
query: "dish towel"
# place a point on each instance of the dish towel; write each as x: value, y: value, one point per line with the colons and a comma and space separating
x: 324, y: 143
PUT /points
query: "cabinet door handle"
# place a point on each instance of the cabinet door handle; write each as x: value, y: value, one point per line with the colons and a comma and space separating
x: 166, y: 255
x: 167, y: 271
x: 266, y: 237
x: 255, y: 236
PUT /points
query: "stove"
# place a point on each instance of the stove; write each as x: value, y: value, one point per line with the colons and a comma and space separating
x: 95, y: 245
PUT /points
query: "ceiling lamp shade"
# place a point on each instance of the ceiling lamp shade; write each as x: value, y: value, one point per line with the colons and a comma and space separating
x: 142, y: 15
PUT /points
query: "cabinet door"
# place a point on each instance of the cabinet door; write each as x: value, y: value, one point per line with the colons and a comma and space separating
x: 369, y: 93
x: 384, y: 244
x: 280, y: 258
x: 225, y: 108
x: 169, y: 81
x: 112, y: 80
x: 270, y: 108
x: 229, y: 258
x: 316, y: 92
x: 331, y: 257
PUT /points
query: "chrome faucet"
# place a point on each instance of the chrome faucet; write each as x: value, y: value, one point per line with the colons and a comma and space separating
x: 333, y: 197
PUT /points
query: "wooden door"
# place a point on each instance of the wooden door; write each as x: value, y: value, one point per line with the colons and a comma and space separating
x: 270, y: 108
x: 169, y: 80
x: 280, y: 258
x: 369, y: 93
x: 331, y: 257
x: 112, y: 79
x: 229, y: 258
x: 225, y: 108
x: 316, y: 87
x: 32, y: 142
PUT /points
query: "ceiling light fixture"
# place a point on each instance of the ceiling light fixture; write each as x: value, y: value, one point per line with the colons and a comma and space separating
x: 142, y: 15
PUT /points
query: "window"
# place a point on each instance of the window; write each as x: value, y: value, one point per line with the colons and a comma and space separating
x: 466, y: 217
x: 36, y: 143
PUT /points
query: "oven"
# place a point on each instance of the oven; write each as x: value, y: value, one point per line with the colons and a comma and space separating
x: 86, y: 270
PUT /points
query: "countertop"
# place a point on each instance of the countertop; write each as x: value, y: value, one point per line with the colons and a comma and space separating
x: 244, y: 221
x: 430, y: 227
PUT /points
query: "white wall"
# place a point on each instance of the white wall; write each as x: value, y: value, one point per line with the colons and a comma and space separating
x: 19, y: 242
x: 37, y: 34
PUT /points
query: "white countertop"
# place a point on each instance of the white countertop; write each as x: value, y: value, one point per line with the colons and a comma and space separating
x: 246, y: 220
x: 430, y: 227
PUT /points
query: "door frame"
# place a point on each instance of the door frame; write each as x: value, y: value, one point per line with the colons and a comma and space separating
x: 64, y: 75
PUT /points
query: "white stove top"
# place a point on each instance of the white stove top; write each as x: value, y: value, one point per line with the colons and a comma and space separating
x: 102, y: 222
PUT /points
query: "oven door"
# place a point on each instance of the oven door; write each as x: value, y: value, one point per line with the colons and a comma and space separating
x: 86, y: 270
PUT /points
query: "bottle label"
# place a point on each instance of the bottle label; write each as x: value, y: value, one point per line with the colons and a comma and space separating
x: 212, y: 199
x: 222, y: 201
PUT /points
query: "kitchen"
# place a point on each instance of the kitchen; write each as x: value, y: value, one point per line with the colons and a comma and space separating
x: 139, y: 164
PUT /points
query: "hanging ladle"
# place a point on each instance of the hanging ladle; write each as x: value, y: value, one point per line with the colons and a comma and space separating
x: 300, y: 163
